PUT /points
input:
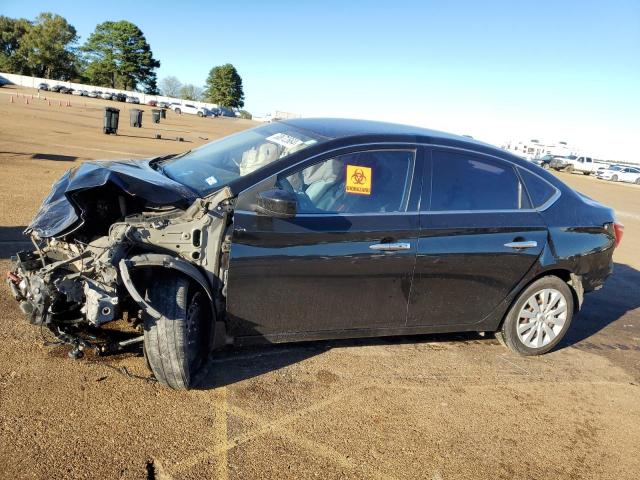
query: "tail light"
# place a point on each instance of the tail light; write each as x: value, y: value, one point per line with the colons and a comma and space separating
x: 618, y: 230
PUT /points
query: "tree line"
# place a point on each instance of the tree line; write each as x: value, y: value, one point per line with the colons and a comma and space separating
x: 116, y: 55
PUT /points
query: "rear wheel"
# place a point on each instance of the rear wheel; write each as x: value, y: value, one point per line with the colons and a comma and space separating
x: 200, y: 114
x: 545, y: 166
x: 638, y: 181
x: 570, y: 169
x: 177, y: 344
x: 539, y: 318
x: 614, y: 178
x: 178, y: 111
x: 586, y: 173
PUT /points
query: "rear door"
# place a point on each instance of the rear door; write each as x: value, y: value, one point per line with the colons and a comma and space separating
x: 479, y: 235
x: 344, y: 262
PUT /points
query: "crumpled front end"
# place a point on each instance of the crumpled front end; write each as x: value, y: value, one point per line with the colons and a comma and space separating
x: 81, y: 283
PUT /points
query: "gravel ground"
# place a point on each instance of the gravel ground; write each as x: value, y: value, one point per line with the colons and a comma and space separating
x: 434, y: 407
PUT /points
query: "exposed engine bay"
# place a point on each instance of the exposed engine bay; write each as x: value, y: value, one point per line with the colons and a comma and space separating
x: 77, y: 282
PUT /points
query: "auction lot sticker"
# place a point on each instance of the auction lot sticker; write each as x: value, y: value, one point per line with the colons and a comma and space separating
x: 358, y: 180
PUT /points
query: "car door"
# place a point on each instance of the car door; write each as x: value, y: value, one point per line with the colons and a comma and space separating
x: 344, y: 262
x: 479, y: 236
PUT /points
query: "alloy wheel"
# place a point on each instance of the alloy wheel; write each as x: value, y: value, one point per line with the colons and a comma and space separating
x: 542, y: 318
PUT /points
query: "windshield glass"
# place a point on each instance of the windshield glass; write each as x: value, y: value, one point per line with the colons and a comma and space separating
x: 209, y: 167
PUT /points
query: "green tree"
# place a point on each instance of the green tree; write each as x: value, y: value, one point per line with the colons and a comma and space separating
x: 190, y: 92
x: 170, y: 86
x: 12, y: 30
x: 118, y: 55
x: 224, y: 87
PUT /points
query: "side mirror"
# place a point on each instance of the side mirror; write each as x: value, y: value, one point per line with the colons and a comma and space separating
x: 277, y: 203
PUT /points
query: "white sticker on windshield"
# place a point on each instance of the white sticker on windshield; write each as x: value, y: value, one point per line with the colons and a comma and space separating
x: 287, y: 141
x: 211, y: 180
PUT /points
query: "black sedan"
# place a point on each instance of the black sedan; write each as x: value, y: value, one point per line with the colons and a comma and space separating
x: 311, y: 229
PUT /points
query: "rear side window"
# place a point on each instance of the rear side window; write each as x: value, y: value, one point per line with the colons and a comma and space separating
x: 539, y: 190
x: 463, y: 182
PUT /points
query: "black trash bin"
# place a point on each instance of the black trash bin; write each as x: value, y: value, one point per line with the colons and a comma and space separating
x: 155, y: 115
x: 163, y: 113
x: 135, y: 117
x: 111, y: 118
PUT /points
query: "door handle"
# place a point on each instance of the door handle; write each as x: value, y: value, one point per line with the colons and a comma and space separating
x: 390, y: 247
x: 523, y: 244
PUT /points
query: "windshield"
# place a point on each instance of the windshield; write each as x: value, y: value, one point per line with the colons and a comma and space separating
x: 209, y: 167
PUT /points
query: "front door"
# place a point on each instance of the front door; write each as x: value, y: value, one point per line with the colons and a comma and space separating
x: 344, y: 262
x: 478, y: 239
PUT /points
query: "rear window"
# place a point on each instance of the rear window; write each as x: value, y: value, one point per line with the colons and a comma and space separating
x: 540, y: 191
x: 470, y: 183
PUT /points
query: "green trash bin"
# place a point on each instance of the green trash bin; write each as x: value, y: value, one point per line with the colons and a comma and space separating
x: 155, y: 115
x: 111, y: 118
x: 163, y: 113
x: 135, y: 117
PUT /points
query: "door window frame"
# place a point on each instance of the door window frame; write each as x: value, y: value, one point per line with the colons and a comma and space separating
x: 491, y: 159
x: 412, y: 203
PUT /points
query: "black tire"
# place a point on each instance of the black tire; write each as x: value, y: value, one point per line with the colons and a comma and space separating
x: 586, y: 173
x: 569, y: 169
x: 545, y: 166
x: 638, y: 181
x: 614, y: 178
x: 200, y: 114
x: 177, y: 344
x: 178, y: 111
x: 508, y: 334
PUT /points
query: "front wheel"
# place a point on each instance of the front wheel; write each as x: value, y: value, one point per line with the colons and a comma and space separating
x: 614, y: 178
x: 638, y: 181
x: 539, y: 318
x: 200, y: 114
x: 177, y: 344
x: 178, y: 111
x: 545, y: 166
x: 570, y: 169
x: 586, y: 173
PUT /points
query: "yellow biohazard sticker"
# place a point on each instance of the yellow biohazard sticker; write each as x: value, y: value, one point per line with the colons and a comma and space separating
x: 358, y: 180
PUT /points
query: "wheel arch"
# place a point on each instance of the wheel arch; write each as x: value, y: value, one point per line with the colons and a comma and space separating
x: 573, y: 281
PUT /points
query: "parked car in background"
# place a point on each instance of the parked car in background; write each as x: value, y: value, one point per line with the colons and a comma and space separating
x: 106, y: 96
x: 190, y: 109
x: 78, y: 93
x: 66, y: 90
x: 43, y: 86
x: 621, y: 173
x: 163, y: 105
x: 119, y: 97
x: 152, y: 103
x: 310, y: 229
x: 132, y: 99
x: 544, y: 161
x: 55, y: 88
x: 604, y: 172
x: 94, y: 94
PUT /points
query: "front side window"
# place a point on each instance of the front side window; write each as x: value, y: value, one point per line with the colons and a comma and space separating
x: 363, y: 182
x: 462, y: 182
x: 211, y: 166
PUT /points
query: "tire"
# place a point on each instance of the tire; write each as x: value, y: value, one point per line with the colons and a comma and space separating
x: 614, y: 178
x: 545, y: 166
x: 586, y: 173
x: 637, y: 182
x: 178, y: 111
x: 570, y: 169
x: 200, y: 114
x: 545, y: 332
x: 177, y: 344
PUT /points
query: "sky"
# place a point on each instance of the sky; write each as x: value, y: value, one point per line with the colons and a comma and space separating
x: 559, y: 70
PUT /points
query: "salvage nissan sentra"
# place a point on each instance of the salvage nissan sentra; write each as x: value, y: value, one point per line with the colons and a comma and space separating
x: 310, y: 229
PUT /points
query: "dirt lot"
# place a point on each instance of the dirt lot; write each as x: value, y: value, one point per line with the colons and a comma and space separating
x: 434, y: 407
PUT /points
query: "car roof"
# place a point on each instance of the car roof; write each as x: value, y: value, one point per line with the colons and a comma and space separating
x: 344, y: 127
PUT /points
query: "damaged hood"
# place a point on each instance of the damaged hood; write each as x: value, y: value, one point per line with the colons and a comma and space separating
x: 58, y: 212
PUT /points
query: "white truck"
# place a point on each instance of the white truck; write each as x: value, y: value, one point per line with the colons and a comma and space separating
x: 586, y: 165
